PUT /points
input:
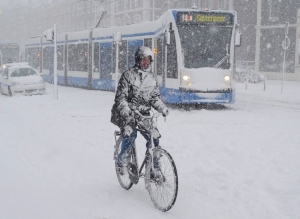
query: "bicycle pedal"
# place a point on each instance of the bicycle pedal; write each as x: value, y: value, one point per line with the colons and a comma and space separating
x: 133, y: 173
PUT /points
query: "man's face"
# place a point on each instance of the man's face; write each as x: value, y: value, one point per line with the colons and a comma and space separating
x: 145, y: 63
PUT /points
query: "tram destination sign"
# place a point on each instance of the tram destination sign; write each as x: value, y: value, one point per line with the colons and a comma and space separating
x: 205, y: 18
x: 9, y: 46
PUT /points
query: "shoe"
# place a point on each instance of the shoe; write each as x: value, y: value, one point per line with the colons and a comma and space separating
x: 120, y: 169
x: 156, y: 176
x: 133, y: 173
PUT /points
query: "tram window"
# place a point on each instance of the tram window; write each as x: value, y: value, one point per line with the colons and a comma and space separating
x: 70, y: 57
x: 78, y: 57
x: 46, y: 58
x: 123, y: 56
x: 60, y: 50
x: 114, y: 58
x: 96, y: 57
x: 172, y: 69
x: 131, y: 59
x: 148, y: 42
x: 33, y: 57
x: 109, y: 60
x: 160, y: 56
x: 105, y: 61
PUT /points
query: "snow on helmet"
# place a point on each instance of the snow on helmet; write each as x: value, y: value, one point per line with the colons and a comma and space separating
x: 141, y: 53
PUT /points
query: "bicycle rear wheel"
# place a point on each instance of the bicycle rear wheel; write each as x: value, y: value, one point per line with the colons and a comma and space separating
x: 163, y: 191
x: 124, y: 179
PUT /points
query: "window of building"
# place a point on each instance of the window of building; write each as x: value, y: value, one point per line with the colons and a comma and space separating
x: 139, y: 3
x: 125, y: 4
x: 166, y: 5
x: 176, y: 4
x: 207, y: 4
x: 274, y: 9
x: 118, y: 6
x: 132, y: 4
x: 222, y: 4
x: 137, y: 19
x: 118, y: 22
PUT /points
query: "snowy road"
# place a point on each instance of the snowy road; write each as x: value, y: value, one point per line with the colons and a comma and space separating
x: 239, y: 162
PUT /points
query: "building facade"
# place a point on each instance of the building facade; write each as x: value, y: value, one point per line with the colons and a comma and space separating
x: 77, y: 15
x: 262, y: 23
x: 276, y: 21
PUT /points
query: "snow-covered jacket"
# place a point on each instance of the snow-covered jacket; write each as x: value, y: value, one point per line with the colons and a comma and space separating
x: 139, y: 90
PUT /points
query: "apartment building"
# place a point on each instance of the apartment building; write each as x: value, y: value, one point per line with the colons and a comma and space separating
x: 262, y: 23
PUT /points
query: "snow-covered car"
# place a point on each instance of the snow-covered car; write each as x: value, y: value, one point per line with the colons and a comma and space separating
x: 21, y: 78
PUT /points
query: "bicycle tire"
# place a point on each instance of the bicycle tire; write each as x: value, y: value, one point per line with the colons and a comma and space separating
x: 124, y: 180
x: 164, y: 193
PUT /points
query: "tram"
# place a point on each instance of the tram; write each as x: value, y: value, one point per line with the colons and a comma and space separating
x: 194, y: 55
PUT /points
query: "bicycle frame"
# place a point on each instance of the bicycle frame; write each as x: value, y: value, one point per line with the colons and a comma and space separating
x: 151, y: 118
x: 150, y: 131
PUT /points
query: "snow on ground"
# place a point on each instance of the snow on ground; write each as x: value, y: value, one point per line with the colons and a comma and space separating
x: 242, y: 161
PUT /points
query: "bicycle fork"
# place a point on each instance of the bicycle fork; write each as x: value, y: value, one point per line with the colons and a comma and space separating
x: 117, y: 133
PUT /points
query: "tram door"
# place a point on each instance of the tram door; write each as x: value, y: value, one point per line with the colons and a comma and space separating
x: 106, y: 60
x: 132, y: 47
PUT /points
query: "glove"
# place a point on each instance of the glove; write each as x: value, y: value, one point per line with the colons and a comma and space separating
x: 125, y: 112
x: 142, y: 108
x: 165, y: 112
x: 130, y: 121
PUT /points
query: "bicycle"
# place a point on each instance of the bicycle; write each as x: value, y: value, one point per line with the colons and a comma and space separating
x: 163, y: 185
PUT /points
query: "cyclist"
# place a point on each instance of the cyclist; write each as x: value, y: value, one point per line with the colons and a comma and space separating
x: 137, y: 90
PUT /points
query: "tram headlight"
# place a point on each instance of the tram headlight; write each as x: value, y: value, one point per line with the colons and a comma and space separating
x: 226, y: 78
x: 185, y: 77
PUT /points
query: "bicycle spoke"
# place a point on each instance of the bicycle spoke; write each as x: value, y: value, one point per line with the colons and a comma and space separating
x: 163, y: 192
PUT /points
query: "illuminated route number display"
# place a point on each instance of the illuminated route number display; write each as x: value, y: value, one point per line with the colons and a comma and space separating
x: 205, y: 18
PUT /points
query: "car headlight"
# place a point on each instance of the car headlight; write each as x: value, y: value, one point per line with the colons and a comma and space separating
x: 15, y: 84
x: 226, y: 78
x: 185, y: 77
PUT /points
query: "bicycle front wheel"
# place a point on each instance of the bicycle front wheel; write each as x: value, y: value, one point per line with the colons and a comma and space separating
x: 123, y: 175
x: 163, y: 190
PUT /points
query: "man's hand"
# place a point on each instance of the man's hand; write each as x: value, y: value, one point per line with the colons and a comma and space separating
x: 165, y: 112
x: 125, y: 112
x: 130, y: 121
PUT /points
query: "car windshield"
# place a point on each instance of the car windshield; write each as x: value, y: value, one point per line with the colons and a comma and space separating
x: 22, y: 72
x: 205, y: 46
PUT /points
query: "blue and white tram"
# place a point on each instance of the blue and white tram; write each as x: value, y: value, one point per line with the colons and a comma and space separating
x: 194, y: 55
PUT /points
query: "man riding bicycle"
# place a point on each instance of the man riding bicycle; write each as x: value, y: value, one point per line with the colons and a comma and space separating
x: 137, y: 91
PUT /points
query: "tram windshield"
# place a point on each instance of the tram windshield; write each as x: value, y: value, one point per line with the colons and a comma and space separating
x: 205, y: 46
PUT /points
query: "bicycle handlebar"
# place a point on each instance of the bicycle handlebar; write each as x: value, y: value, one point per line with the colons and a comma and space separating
x: 152, y: 115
